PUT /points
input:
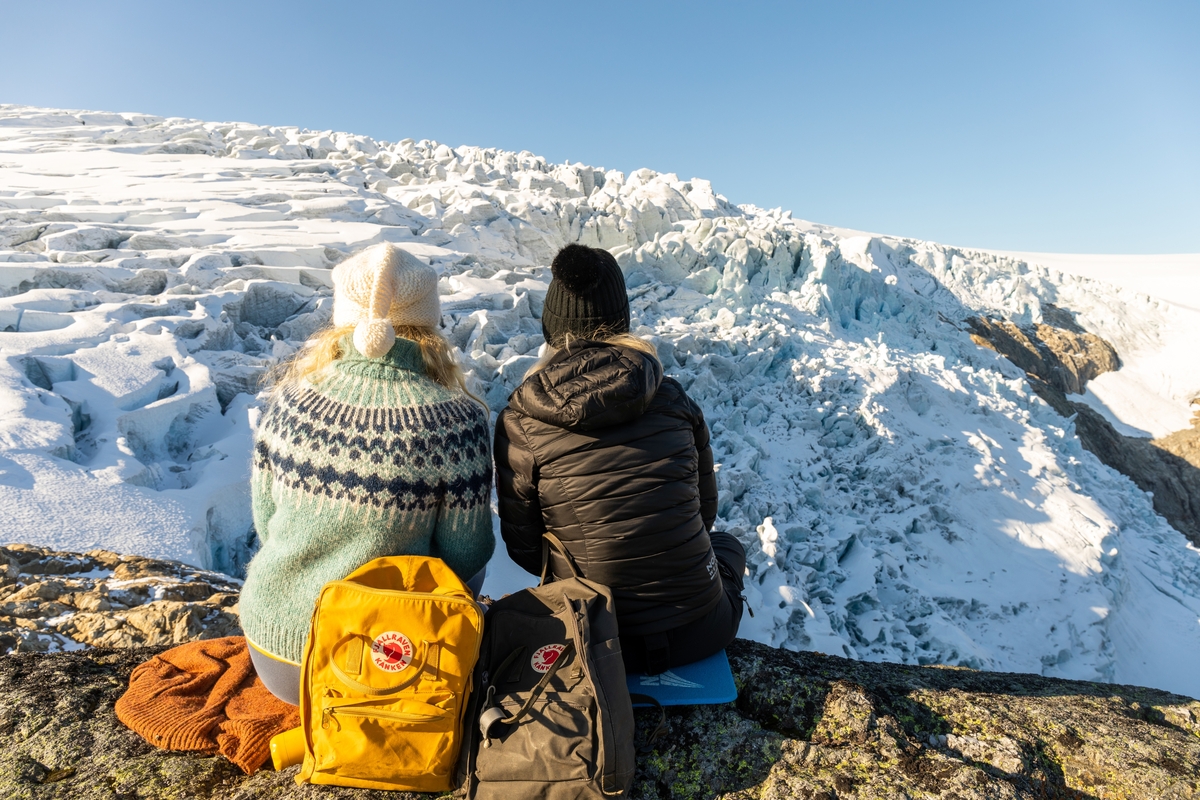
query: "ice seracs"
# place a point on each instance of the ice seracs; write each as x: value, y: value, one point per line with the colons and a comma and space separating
x: 903, y: 495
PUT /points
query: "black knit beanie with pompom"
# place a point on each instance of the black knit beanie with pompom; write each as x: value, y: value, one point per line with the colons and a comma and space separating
x: 586, y: 297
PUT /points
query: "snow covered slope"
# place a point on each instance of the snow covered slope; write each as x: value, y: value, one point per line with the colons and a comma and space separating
x: 1149, y: 395
x: 902, y: 493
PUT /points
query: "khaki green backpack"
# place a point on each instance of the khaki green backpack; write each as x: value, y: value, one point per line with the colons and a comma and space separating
x: 551, y: 715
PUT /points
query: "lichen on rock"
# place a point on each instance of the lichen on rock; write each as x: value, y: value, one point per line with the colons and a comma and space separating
x: 805, y: 725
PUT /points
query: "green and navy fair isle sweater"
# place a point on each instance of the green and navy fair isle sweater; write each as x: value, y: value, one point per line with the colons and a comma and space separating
x: 375, y: 459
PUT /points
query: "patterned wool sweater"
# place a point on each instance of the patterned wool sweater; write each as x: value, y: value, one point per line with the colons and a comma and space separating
x: 376, y: 459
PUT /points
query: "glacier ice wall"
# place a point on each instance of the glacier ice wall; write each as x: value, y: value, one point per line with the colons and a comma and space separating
x: 901, y: 493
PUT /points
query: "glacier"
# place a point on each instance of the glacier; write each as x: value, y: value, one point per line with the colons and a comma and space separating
x: 902, y: 493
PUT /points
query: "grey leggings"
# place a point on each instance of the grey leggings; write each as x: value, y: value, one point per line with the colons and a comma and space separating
x: 283, y: 679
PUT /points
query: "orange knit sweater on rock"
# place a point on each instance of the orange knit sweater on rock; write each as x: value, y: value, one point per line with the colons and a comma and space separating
x: 205, y: 696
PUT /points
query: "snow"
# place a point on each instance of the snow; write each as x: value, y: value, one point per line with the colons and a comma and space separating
x: 901, y: 492
x: 1174, y: 278
x: 1149, y: 395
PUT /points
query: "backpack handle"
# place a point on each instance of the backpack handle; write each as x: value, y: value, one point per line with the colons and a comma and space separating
x: 552, y: 542
x: 372, y: 691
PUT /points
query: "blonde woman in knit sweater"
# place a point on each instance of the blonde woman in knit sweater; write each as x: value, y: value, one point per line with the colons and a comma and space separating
x: 370, y: 446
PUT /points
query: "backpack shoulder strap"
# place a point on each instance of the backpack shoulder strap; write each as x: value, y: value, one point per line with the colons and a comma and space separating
x: 658, y: 652
x: 660, y: 728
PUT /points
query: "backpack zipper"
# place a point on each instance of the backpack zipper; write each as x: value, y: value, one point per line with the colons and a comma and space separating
x: 358, y: 587
x: 327, y: 715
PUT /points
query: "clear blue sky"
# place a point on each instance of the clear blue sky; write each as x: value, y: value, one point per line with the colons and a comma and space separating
x: 1054, y: 126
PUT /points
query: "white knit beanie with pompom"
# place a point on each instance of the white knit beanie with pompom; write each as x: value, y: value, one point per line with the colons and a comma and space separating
x: 379, y: 289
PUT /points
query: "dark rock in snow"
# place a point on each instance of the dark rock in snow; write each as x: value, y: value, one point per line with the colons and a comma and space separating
x: 1169, y: 468
x: 1065, y: 357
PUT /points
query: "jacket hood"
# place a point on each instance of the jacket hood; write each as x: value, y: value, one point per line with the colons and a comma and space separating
x: 590, y: 385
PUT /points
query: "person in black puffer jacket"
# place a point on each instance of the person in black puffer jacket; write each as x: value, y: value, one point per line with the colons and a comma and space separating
x: 599, y: 448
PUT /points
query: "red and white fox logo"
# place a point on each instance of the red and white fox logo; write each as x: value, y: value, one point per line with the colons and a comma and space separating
x: 545, y: 657
x: 391, y: 651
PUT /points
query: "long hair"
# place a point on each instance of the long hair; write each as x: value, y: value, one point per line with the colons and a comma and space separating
x: 325, y: 347
x: 616, y: 339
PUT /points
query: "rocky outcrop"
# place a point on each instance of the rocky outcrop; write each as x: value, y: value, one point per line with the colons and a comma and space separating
x: 1184, y: 444
x: 805, y: 725
x: 51, y: 602
x: 1060, y: 358
x: 1056, y: 350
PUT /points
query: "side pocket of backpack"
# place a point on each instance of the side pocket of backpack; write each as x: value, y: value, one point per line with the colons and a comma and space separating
x: 306, y: 700
x: 614, y: 716
x: 465, y: 773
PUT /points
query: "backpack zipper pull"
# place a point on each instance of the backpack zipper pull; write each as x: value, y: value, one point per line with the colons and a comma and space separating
x: 487, y: 704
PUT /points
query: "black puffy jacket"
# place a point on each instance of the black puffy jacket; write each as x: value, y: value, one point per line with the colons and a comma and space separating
x: 603, y: 451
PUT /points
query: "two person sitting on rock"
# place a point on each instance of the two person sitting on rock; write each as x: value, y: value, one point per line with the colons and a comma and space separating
x: 372, y: 445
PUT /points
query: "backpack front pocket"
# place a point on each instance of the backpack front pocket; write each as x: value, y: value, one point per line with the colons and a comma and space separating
x: 553, y: 742
x: 385, y: 739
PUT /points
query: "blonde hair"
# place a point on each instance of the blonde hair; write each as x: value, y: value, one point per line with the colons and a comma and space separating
x: 325, y: 347
x: 643, y: 346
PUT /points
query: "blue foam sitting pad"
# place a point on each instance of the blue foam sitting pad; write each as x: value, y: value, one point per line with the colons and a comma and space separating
x: 700, y: 683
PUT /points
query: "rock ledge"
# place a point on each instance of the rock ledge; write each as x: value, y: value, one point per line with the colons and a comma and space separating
x: 805, y: 726
x: 54, y: 601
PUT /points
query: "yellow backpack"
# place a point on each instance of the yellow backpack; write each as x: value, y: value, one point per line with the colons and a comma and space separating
x: 387, y: 671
